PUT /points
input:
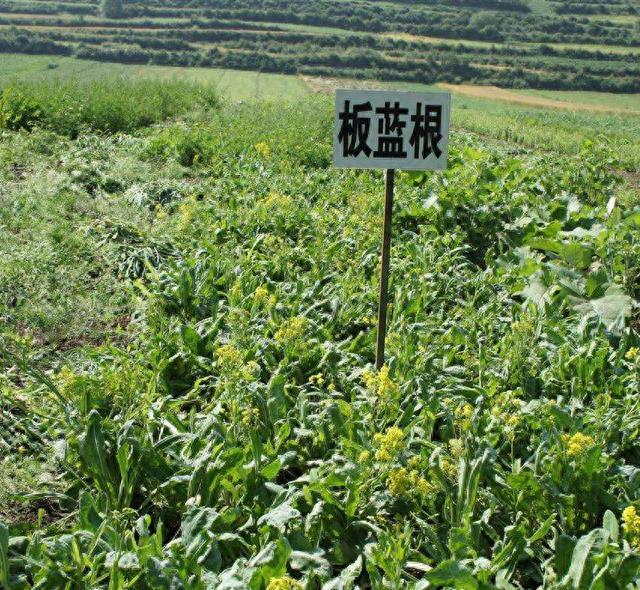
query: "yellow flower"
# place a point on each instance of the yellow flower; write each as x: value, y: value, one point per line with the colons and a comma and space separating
x: 423, y: 486
x: 251, y: 417
x: 383, y: 455
x: 394, y: 340
x: 578, y: 443
x: 276, y: 202
x: 632, y: 354
x: 414, y: 461
x: 251, y: 370
x: 629, y: 515
x: 513, y: 420
x: 364, y: 457
x: 456, y: 446
x: 232, y: 365
x: 263, y: 149
x: 235, y: 293
x: 450, y: 469
x: 186, y: 210
x: 229, y: 358
x: 370, y: 380
x: 70, y: 384
x: 285, y: 583
x: 381, y: 384
x: 316, y: 379
x: 401, y: 482
x: 463, y: 414
x: 390, y: 444
x: 66, y: 377
x: 160, y: 212
x: 631, y: 523
x: 525, y: 325
x: 506, y: 408
x: 260, y: 295
x: 291, y: 330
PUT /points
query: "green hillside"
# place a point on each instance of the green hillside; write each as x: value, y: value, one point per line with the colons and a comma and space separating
x: 510, y: 43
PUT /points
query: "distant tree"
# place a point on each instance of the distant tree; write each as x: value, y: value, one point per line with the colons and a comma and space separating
x: 486, y: 25
x: 111, y: 8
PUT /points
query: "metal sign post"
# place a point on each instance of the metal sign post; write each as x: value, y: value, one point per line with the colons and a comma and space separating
x: 390, y: 130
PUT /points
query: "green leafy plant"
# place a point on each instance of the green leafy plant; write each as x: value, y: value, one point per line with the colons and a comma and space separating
x: 232, y: 433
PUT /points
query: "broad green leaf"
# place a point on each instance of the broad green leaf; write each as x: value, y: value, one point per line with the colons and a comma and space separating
x: 347, y: 578
x: 610, y: 524
x: 576, y: 255
x: 271, y: 562
x: 124, y: 561
x: 237, y: 577
x: 271, y: 470
x: 190, y: 338
x: 547, y: 245
x: 452, y: 573
x: 4, y: 555
x: 580, y: 574
x: 542, y: 531
x: 279, y: 517
x: 563, y: 552
x: 307, y: 563
x: 612, y: 310
x: 629, y: 569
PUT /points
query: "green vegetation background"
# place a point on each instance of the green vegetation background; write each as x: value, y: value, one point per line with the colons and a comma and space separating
x: 187, y: 290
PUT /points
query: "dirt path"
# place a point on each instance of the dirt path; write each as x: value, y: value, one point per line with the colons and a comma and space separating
x: 329, y: 85
x: 495, y: 93
x: 326, y: 85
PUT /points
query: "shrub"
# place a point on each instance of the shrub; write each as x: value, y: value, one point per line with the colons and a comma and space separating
x: 18, y: 110
x: 111, y: 8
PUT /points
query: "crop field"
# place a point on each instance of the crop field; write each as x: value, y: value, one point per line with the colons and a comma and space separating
x: 491, y: 113
x: 187, y: 299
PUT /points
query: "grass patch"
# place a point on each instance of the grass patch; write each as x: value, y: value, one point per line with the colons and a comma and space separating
x: 110, y: 104
x: 232, y: 85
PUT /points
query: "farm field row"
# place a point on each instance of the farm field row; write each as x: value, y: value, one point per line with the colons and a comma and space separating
x: 71, y: 23
x: 506, y: 44
x: 514, y: 116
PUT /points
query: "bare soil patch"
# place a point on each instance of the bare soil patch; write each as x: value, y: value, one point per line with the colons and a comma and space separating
x: 495, y: 93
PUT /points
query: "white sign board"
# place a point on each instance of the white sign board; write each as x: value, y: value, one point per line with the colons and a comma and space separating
x: 392, y: 130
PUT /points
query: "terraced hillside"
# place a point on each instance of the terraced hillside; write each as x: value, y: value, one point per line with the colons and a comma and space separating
x: 511, y: 43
